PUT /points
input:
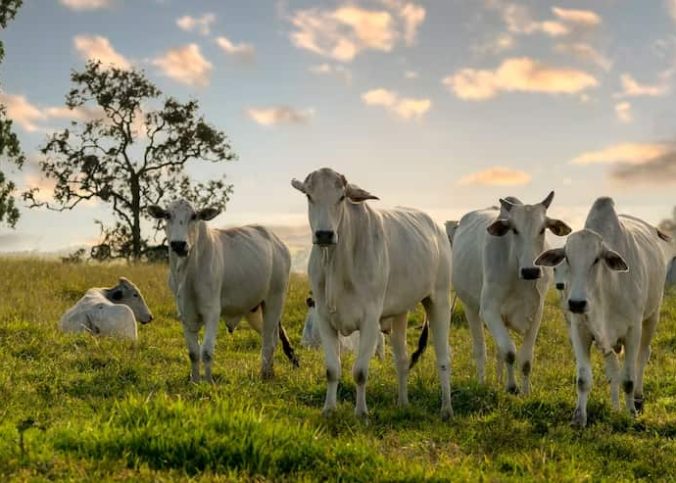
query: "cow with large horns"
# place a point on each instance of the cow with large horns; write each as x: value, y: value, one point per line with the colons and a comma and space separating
x: 495, y: 277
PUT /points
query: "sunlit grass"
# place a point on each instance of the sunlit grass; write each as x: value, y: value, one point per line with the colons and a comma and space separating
x: 105, y: 409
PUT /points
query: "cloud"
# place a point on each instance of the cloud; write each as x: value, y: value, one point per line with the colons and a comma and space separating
x: 518, y: 75
x: 185, y: 65
x: 636, y: 163
x: 96, y: 47
x: 242, y: 50
x: 31, y: 118
x: 626, y: 153
x: 496, y: 45
x: 406, y: 108
x: 343, y: 33
x: 496, y: 176
x: 586, y: 53
x: 201, y: 24
x: 274, y: 115
x: 337, y: 70
x: 671, y: 7
x: 660, y: 170
x: 581, y: 17
x: 623, y: 112
x: 632, y: 88
x: 80, y: 5
x: 411, y: 74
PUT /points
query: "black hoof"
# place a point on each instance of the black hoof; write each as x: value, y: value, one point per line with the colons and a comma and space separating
x: 513, y: 389
x: 638, y: 404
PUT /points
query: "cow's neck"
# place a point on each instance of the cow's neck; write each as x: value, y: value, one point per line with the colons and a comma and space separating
x: 340, y: 261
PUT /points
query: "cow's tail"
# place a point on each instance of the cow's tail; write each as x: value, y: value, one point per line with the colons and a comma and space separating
x: 286, y: 346
x: 422, y: 343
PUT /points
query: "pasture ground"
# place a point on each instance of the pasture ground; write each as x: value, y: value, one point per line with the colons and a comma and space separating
x: 100, y: 409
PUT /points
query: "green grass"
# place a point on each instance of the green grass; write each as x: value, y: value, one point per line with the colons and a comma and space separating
x: 109, y: 410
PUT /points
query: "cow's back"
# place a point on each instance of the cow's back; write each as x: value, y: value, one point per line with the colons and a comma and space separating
x: 419, y: 258
x: 75, y: 319
x: 468, y: 255
x: 254, y: 263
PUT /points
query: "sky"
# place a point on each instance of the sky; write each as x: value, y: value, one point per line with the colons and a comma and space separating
x: 441, y: 105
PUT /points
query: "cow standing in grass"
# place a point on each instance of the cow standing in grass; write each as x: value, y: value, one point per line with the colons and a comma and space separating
x: 235, y: 273
x: 367, y: 266
x: 616, y: 271
x: 497, y: 282
x: 108, y: 311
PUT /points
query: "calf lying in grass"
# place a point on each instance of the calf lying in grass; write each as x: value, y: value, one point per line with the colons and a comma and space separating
x: 108, y: 311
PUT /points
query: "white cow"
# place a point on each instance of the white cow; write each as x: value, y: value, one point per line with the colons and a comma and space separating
x: 108, y: 311
x: 234, y: 273
x: 494, y: 277
x: 370, y: 266
x: 616, y: 273
x: 312, y: 340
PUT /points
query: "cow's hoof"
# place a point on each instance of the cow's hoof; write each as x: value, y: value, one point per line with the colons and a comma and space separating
x: 579, y: 419
x: 446, y: 413
x: 638, y: 403
x: 512, y: 389
x: 267, y: 374
x: 328, y: 412
x: 194, y: 379
x: 362, y: 415
x: 295, y: 362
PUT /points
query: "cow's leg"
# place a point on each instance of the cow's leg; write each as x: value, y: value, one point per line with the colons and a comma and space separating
x: 613, y: 375
x: 490, y: 312
x: 368, y: 339
x: 331, y: 345
x: 398, y: 339
x: 439, y: 316
x: 272, y: 313
x: 631, y: 348
x: 525, y: 359
x: 191, y: 331
x: 499, y: 368
x: 211, y: 318
x: 581, y: 339
x: 647, y: 335
x: 478, y: 343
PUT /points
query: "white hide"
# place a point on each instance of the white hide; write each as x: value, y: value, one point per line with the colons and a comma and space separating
x: 616, y: 272
x: 369, y: 268
x: 493, y: 254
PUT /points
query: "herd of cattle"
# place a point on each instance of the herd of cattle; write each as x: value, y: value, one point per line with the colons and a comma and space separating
x: 368, y: 268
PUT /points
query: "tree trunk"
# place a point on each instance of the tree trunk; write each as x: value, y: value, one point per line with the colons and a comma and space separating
x: 136, y: 217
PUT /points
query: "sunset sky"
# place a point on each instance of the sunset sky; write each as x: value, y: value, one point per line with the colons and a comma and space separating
x: 443, y: 105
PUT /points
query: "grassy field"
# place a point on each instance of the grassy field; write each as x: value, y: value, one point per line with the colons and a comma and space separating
x: 97, y: 409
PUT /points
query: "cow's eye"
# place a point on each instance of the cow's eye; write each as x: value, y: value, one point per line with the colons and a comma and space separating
x: 596, y: 260
x: 167, y: 216
x: 542, y: 232
x: 135, y: 295
x: 193, y: 217
x: 309, y: 198
x: 515, y: 231
x: 341, y: 198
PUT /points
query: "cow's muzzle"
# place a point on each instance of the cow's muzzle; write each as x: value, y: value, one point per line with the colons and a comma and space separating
x: 531, y: 273
x: 148, y: 320
x: 577, y: 306
x: 324, y: 238
x: 180, y: 248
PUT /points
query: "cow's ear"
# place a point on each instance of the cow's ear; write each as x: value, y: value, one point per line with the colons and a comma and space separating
x: 550, y: 258
x: 123, y: 281
x: 558, y: 227
x: 158, y: 212
x: 499, y: 227
x: 356, y: 194
x: 209, y: 213
x: 299, y: 185
x: 117, y: 295
x: 615, y: 261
